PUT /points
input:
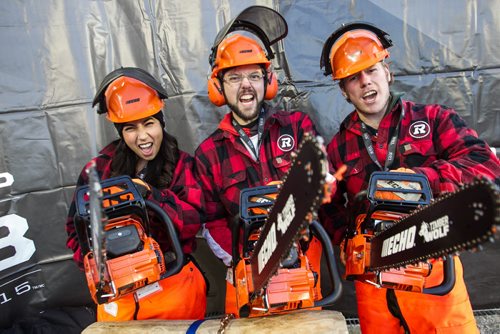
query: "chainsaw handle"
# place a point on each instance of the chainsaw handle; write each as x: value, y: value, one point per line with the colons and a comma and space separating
x: 179, y: 255
x: 333, y: 269
x: 448, y: 279
x: 235, y: 240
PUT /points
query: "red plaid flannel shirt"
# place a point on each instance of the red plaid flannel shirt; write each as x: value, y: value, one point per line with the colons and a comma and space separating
x: 224, y: 167
x: 433, y: 140
x: 182, y: 201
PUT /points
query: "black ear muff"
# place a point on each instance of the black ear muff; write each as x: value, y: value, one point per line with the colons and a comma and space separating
x: 272, y: 86
x: 215, y: 94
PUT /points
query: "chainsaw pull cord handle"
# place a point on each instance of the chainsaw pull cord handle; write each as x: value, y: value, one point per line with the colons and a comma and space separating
x: 333, y: 269
x: 448, y: 279
x: 179, y: 255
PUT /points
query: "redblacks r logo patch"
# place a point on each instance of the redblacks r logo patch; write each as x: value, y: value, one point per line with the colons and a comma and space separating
x: 419, y: 129
x: 286, y: 143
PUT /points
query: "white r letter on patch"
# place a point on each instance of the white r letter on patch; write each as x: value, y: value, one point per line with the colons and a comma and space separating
x: 419, y: 129
x: 286, y: 143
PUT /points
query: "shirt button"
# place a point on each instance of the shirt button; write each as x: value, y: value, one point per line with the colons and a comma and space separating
x: 266, y: 179
x: 380, y: 145
x: 278, y: 160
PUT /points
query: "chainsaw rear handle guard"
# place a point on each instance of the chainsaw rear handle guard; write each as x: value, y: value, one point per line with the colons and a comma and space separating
x: 120, y: 197
x: 322, y: 236
x: 424, y: 191
x: 402, y: 206
x: 448, y: 279
x: 246, y: 221
x: 179, y: 255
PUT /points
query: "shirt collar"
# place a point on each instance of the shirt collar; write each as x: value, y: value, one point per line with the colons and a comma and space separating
x: 228, y: 129
x: 352, y: 122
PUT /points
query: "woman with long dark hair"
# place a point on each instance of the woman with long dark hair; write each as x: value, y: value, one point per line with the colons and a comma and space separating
x: 133, y: 100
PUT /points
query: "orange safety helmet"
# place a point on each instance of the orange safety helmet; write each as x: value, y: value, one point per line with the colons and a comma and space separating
x: 238, y: 50
x: 129, y: 99
x: 353, y: 48
x: 128, y: 94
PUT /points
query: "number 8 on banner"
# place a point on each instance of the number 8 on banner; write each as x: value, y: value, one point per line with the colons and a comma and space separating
x: 18, y: 248
x: 8, y: 180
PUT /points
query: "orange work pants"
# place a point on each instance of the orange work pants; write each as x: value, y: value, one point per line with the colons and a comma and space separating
x: 181, y: 296
x: 423, y: 313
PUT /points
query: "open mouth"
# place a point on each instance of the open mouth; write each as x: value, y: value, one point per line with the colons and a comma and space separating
x: 146, y: 149
x: 369, y: 96
x: 247, y: 98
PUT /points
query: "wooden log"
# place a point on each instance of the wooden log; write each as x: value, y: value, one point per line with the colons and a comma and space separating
x: 316, y: 322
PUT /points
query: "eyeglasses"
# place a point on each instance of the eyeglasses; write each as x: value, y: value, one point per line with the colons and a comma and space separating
x: 236, y: 79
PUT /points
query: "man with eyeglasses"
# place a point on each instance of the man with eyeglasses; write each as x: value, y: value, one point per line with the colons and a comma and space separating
x: 252, y: 145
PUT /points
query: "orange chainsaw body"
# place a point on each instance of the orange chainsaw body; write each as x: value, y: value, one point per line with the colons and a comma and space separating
x: 289, y: 289
x: 112, y: 225
x: 128, y: 272
x: 292, y: 287
x: 357, y: 259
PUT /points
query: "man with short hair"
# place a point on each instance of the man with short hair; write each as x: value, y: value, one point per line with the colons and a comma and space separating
x: 251, y: 146
x: 385, y: 132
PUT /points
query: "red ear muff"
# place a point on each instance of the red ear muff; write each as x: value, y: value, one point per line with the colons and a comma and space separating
x: 215, y: 94
x: 272, y: 86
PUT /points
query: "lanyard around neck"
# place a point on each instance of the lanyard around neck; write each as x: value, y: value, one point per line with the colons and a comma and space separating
x: 246, y: 139
x: 391, y: 150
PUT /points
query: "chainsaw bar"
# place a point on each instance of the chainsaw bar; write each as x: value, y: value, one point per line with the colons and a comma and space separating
x: 298, y: 196
x: 454, y: 222
x: 97, y: 218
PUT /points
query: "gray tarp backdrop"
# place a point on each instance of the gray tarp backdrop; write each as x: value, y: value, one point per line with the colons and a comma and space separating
x: 54, y: 53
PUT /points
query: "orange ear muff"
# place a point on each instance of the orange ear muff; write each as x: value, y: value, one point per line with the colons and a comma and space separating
x: 215, y: 94
x: 272, y: 86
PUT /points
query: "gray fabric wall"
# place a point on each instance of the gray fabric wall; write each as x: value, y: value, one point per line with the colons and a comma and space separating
x: 54, y: 53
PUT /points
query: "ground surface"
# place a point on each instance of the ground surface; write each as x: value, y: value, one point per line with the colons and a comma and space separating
x: 488, y: 322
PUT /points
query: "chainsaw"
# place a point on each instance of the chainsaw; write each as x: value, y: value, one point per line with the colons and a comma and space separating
x: 395, y: 243
x: 112, y: 224
x: 272, y: 273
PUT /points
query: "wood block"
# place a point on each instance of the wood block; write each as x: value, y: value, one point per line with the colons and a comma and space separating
x: 316, y: 322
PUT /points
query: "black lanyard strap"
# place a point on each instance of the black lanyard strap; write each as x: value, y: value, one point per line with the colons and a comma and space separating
x: 391, y: 150
x: 246, y: 139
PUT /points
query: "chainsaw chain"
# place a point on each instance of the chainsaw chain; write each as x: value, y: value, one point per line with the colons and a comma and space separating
x: 97, y: 218
x: 224, y: 322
